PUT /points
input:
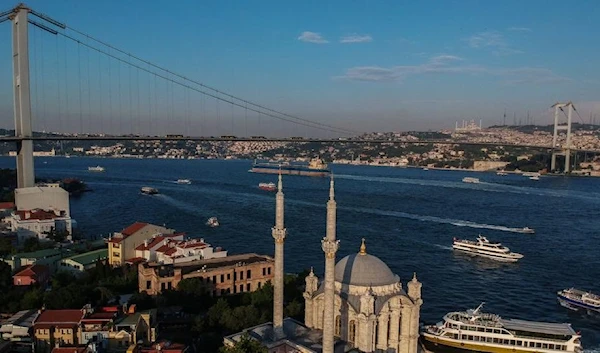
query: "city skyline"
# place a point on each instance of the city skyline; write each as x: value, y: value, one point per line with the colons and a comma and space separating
x: 384, y: 67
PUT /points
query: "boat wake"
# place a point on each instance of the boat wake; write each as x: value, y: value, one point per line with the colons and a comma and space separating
x: 184, y: 206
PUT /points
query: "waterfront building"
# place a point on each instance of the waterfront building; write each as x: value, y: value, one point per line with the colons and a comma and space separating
x: 32, y: 274
x: 133, y: 328
x: 220, y: 276
x: 360, y: 305
x: 54, y: 328
x: 172, y: 248
x: 48, y: 257
x: 18, y: 329
x: 49, y: 198
x: 80, y: 263
x: 39, y: 223
x: 121, y: 245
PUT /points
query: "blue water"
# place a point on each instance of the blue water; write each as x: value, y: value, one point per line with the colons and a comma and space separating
x: 408, y: 216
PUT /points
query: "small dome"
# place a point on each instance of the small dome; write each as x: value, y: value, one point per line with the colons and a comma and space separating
x: 363, y: 269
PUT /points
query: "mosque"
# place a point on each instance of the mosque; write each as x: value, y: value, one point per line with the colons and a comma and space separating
x: 360, y: 306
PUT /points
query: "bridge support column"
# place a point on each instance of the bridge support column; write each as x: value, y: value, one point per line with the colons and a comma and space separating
x: 566, y: 149
x: 22, y: 102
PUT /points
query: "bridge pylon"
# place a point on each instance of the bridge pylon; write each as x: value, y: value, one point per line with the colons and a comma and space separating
x: 559, y: 125
x: 22, y: 96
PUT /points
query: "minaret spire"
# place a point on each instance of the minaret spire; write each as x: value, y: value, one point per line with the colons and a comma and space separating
x: 330, y: 246
x: 279, y: 233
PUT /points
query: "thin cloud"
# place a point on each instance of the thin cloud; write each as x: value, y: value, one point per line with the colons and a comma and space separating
x: 493, y: 40
x: 356, y: 39
x: 519, y: 29
x: 450, y: 64
x: 312, y: 37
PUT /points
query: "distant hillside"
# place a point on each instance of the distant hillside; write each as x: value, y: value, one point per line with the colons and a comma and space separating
x: 529, y: 129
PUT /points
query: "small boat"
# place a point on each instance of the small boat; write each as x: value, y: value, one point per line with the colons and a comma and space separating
x: 149, y: 191
x: 96, y: 169
x: 502, y: 173
x: 425, y: 168
x: 576, y: 299
x: 483, y: 247
x: 184, y: 181
x: 531, y: 174
x: 475, y: 331
x: 212, y: 222
x: 535, y: 177
x: 470, y: 180
x: 267, y: 186
x: 527, y: 230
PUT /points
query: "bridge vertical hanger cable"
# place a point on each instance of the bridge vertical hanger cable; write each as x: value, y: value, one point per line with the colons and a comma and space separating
x: 138, y: 117
x: 130, y: 110
x: 100, y: 94
x: 110, y: 100
x: 246, y: 121
x: 232, y: 121
x: 36, y: 80
x: 44, y: 110
x: 66, y: 67
x: 119, y: 97
x: 80, y: 95
x: 218, y: 130
x: 89, y: 91
x: 58, y: 84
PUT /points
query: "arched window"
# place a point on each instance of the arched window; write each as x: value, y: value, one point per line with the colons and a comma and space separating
x: 351, y: 331
x: 338, y: 326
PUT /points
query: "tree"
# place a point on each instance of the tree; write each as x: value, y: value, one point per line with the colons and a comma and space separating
x: 57, y: 235
x: 32, y: 299
x: 6, y: 246
x: 245, y: 345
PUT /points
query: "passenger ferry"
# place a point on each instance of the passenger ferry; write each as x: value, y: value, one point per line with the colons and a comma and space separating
x: 267, y: 186
x: 316, y: 167
x: 576, y: 299
x: 470, y: 180
x: 473, y: 330
x: 96, y: 169
x: 483, y: 247
x: 149, y: 191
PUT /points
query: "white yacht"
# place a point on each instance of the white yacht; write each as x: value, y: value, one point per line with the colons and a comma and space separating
x: 470, y: 180
x: 212, y: 222
x: 483, y: 247
x: 475, y: 331
x: 96, y: 169
x: 184, y: 181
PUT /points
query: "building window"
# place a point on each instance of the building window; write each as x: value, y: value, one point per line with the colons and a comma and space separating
x: 162, y: 286
x: 215, y: 279
x: 248, y: 274
x: 222, y: 278
x: 351, y: 331
x: 247, y: 287
x: 234, y: 289
x: 241, y: 275
x: 268, y: 270
x: 148, y: 284
x: 234, y: 276
x: 259, y: 285
x: 264, y: 271
x: 228, y: 276
x: 169, y: 286
x: 241, y: 288
x: 338, y: 326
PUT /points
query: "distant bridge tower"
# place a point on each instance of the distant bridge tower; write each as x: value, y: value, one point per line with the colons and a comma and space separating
x: 22, y: 100
x: 562, y: 150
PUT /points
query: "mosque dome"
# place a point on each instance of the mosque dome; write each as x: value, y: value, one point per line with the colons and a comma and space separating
x: 363, y: 269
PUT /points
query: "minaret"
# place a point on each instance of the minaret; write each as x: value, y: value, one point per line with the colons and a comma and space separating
x: 278, y: 233
x: 330, y: 246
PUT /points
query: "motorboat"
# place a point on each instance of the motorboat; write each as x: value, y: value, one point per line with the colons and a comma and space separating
x: 96, y: 169
x: 475, y: 331
x: 212, y: 222
x: 149, y: 191
x: 535, y: 177
x: 184, y: 181
x: 576, y: 299
x: 527, y: 230
x: 483, y: 247
x: 502, y: 173
x: 267, y: 186
x: 470, y: 180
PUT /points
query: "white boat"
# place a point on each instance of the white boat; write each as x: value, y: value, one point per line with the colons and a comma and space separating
x: 212, y: 222
x: 149, y: 191
x: 531, y: 174
x: 483, y: 247
x: 470, y: 180
x: 576, y: 299
x: 527, y: 230
x: 425, y: 168
x: 475, y: 331
x: 502, y: 173
x: 535, y: 177
x: 184, y: 181
x: 96, y: 169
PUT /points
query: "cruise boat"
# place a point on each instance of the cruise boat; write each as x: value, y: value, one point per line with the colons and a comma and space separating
x: 475, y: 331
x: 483, y: 247
x: 267, y: 186
x: 576, y: 299
x: 212, y: 222
x: 149, y: 191
x: 316, y: 167
x: 96, y: 169
x: 470, y: 180
x: 184, y: 181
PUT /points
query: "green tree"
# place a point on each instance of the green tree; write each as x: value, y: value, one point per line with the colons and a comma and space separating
x: 32, y: 299
x: 245, y: 345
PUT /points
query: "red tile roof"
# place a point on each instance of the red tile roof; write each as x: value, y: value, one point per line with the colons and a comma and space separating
x: 69, y: 349
x: 63, y: 317
x: 192, y: 244
x: 32, y: 271
x: 152, y: 243
x: 36, y: 214
x: 133, y: 228
x: 7, y: 205
x: 135, y: 260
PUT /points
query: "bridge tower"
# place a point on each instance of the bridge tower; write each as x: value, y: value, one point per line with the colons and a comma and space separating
x: 22, y: 97
x: 564, y: 150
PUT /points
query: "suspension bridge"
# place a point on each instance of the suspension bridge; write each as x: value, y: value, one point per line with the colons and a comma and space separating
x: 80, y: 87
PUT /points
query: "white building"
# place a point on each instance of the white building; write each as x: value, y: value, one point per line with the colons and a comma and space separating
x: 170, y: 249
x: 38, y: 222
x: 50, y: 197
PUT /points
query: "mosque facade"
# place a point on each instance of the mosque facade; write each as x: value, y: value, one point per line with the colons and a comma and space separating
x: 360, y: 305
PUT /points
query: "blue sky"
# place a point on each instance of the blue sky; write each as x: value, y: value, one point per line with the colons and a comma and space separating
x: 365, y: 65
